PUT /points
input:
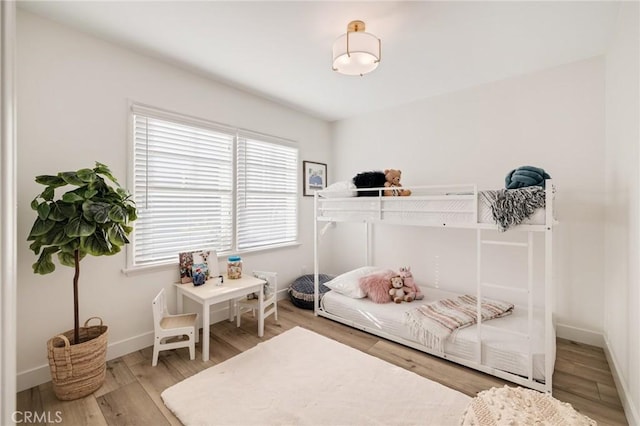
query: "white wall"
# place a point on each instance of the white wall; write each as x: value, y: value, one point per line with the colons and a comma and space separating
x: 552, y: 119
x: 72, y: 111
x: 622, y: 179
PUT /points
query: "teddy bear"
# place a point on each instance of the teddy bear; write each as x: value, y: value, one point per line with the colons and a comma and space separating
x: 392, y: 177
x: 407, y: 277
x: 399, y: 291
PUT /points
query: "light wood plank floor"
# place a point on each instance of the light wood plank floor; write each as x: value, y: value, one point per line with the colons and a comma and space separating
x: 131, y: 393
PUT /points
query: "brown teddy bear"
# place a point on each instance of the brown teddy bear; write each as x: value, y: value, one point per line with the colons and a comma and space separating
x: 393, y: 182
x: 399, y: 291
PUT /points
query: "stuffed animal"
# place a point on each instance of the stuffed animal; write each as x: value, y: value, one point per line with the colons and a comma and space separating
x: 407, y: 277
x: 392, y: 178
x: 399, y: 291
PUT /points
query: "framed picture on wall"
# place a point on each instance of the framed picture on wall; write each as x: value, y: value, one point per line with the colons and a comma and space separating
x: 314, y: 177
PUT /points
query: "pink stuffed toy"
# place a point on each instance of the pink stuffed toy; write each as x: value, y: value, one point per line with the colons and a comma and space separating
x: 407, y: 277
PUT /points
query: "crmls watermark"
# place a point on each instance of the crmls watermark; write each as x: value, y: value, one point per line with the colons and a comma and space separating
x: 37, y: 416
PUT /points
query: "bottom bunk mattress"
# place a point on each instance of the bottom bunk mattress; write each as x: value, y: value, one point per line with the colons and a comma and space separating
x: 500, y: 349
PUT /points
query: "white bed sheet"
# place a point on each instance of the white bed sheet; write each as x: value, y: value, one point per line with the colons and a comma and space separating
x: 503, y: 351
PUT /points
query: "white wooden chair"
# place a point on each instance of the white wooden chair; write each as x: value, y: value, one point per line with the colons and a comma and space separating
x: 167, y: 326
x: 270, y: 302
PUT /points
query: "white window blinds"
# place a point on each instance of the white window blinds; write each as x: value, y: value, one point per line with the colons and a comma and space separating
x: 266, y: 193
x: 183, y: 189
x: 199, y: 185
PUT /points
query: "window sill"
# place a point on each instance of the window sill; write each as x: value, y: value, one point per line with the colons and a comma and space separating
x: 136, y: 270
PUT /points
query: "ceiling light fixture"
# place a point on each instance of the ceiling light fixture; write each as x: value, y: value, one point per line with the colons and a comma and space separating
x: 356, y: 52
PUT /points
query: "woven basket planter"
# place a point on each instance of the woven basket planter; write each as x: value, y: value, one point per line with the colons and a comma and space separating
x: 78, y: 370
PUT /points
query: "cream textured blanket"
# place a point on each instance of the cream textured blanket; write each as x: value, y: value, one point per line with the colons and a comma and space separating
x: 519, y: 406
x: 433, y: 323
x: 302, y: 378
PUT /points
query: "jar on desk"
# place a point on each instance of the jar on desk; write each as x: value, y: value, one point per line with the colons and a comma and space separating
x: 234, y: 267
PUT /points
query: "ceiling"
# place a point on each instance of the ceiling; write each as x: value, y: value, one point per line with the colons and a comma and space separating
x: 282, y: 50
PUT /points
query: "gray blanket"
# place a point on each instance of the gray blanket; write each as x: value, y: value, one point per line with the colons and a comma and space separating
x: 511, y: 206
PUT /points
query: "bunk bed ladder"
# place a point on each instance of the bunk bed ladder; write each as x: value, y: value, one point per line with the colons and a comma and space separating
x: 528, y: 291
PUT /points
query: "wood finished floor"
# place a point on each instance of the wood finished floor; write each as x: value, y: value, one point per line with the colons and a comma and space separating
x: 131, y: 393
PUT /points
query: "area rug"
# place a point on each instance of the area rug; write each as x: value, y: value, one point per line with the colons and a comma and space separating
x: 302, y: 378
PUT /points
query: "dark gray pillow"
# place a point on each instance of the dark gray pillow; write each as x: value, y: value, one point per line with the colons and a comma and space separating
x: 301, y: 290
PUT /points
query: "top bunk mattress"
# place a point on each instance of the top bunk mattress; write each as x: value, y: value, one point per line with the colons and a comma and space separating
x: 500, y: 350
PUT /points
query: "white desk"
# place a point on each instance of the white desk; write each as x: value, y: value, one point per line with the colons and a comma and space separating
x: 210, y: 293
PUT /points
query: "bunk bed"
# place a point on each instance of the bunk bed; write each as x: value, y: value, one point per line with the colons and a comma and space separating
x: 519, y: 347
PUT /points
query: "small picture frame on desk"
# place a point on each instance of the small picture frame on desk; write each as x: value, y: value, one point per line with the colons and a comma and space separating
x: 314, y: 177
x: 193, y: 264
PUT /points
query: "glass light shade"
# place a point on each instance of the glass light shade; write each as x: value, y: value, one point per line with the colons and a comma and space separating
x: 362, y: 56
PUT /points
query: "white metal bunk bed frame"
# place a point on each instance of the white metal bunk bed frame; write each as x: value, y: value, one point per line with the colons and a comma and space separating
x: 546, y: 228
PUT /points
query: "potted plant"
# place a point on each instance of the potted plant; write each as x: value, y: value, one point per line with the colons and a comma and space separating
x: 92, y: 218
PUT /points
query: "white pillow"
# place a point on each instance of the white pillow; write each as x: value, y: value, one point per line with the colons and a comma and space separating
x: 348, y: 283
x: 340, y: 189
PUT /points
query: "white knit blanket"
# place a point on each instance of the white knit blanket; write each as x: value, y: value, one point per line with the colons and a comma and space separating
x: 519, y: 406
x: 302, y: 378
x: 433, y: 323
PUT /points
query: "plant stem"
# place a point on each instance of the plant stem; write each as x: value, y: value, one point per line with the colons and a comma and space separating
x: 76, y: 315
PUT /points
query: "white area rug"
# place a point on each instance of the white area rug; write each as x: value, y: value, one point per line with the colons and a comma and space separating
x: 303, y: 378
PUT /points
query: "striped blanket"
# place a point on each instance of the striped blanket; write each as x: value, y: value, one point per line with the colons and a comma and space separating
x: 433, y: 323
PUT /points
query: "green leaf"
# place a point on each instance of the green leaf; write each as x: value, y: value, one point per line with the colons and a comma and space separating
x: 96, y: 244
x: 36, y: 246
x: 53, y: 181
x: 62, y: 211
x: 116, y: 235
x: 48, y: 193
x: 123, y: 193
x: 35, y: 204
x: 44, y: 264
x: 71, y: 246
x: 69, y: 259
x: 40, y: 227
x: 86, y: 175
x: 117, y: 214
x: 58, y: 235
x: 89, y: 193
x: 96, y: 211
x: 78, y: 227
x: 104, y: 170
x: 131, y: 212
x: 114, y: 250
x: 71, y: 178
x: 43, y: 210
x: 72, y: 197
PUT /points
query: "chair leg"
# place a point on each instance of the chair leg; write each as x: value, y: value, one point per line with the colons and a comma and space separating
x: 238, y: 315
x: 156, y: 351
x: 192, y: 347
x: 275, y: 310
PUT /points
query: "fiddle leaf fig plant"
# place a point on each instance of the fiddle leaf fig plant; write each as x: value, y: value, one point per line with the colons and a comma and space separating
x: 92, y: 218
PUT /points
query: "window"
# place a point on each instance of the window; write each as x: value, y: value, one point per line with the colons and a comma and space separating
x: 267, y: 194
x: 201, y: 185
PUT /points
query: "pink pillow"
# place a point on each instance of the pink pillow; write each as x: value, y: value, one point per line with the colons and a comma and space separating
x: 376, y: 286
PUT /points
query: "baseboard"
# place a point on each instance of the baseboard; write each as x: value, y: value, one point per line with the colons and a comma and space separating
x: 631, y: 411
x: 580, y: 335
x: 38, y: 375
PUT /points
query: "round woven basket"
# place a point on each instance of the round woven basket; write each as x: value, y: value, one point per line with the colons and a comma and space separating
x: 78, y: 370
